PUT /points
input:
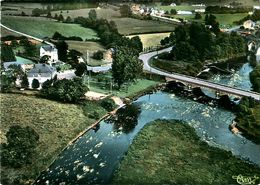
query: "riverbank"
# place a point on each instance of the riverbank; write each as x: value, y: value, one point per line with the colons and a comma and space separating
x: 170, y: 152
x: 56, y: 123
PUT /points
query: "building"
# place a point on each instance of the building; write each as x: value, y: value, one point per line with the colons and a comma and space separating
x: 50, y: 51
x: 249, y: 24
x: 41, y: 72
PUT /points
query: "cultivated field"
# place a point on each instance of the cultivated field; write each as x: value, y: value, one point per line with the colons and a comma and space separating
x: 87, y: 49
x: 43, y: 27
x: 126, y: 26
x: 170, y: 152
x: 56, y: 123
x: 150, y: 40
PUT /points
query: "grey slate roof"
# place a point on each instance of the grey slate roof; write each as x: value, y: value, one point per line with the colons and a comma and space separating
x: 47, y: 48
x: 42, y: 69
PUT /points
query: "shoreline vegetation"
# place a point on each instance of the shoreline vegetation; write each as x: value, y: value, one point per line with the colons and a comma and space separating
x: 51, y: 120
x: 170, y: 152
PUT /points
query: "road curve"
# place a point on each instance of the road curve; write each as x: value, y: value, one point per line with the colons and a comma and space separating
x: 192, y: 80
x: 26, y: 35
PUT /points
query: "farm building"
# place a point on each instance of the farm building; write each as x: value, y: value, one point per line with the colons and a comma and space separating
x: 41, y: 72
x: 249, y: 24
x: 50, y: 51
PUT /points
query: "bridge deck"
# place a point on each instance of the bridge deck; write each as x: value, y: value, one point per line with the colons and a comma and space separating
x: 192, y: 80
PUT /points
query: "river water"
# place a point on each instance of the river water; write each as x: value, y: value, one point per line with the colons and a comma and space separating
x: 94, y: 157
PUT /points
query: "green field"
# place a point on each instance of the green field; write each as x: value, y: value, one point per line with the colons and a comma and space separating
x: 180, y: 7
x: 43, y: 27
x: 150, y: 40
x: 125, y: 26
x: 170, y: 152
x: 56, y: 123
x: 88, y: 49
x: 225, y: 20
x: 130, y: 26
x: 127, y: 90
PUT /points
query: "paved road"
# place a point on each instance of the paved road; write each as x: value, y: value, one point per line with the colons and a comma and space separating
x: 192, y: 80
x: 26, y: 35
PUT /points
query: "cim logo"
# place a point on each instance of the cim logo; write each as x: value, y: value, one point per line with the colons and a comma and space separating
x: 245, y: 180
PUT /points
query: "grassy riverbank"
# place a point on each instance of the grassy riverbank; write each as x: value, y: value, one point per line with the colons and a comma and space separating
x: 56, y: 123
x: 170, y: 152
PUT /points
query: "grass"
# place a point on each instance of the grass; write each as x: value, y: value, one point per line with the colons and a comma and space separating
x: 43, y: 27
x: 56, y: 123
x: 150, y: 40
x: 88, y: 48
x: 131, y: 26
x: 126, y: 26
x: 127, y: 90
x: 180, y: 7
x: 170, y: 152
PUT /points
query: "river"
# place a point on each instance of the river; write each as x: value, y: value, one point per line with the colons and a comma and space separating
x: 95, y: 156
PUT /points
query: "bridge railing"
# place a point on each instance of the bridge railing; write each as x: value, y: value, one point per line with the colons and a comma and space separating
x: 202, y: 80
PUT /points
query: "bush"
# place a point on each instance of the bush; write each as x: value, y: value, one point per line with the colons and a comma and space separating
x: 108, y: 104
x: 94, y: 115
x: 35, y: 84
x: 98, y: 55
x: 65, y: 90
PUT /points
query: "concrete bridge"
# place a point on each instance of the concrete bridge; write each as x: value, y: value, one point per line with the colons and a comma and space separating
x: 192, y: 80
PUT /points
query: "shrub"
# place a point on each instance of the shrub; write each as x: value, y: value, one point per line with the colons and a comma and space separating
x: 20, y: 146
x: 35, y: 84
x: 98, y: 55
x: 108, y: 104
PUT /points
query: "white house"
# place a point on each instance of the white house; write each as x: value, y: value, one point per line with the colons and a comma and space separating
x: 249, y: 24
x: 256, y: 7
x: 181, y: 12
x: 258, y: 55
x: 41, y: 72
x: 49, y: 51
x: 200, y: 10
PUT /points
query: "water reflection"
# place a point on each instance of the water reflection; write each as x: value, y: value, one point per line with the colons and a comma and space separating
x: 126, y: 118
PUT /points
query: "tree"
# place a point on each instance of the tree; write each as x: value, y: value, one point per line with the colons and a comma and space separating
x: 21, y: 143
x: 137, y: 43
x: 14, y: 44
x: 65, y: 90
x: 49, y: 15
x: 61, y: 18
x: 198, y: 16
x: 35, y: 84
x: 255, y: 78
x: 36, y: 12
x: 126, y: 66
x: 98, y: 55
x: 56, y: 16
x: 68, y: 20
x: 7, y: 54
x: 181, y: 33
x: 125, y: 11
x: 108, y: 104
x: 62, y: 48
x: 81, y: 68
x: 173, y: 12
x: 23, y: 14
x: 25, y: 82
x: 92, y: 15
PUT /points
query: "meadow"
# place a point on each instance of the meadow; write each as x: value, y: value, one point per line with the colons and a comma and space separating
x: 56, y: 123
x: 126, y: 26
x: 170, y: 152
x: 152, y: 39
x: 42, y: 27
